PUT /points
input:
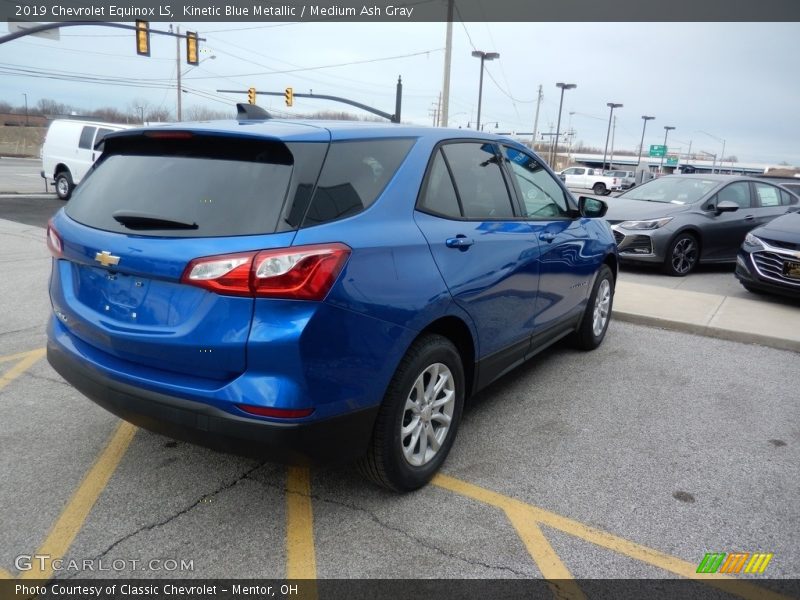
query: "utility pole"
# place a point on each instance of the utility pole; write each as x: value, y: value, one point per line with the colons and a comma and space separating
x: 536, y: 119
x: 439, y: 112
x: 178, y: 68
x: 26, y: 108
x: 613, y: 133
x: 448, y: 52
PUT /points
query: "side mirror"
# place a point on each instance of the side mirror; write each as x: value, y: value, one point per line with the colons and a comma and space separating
x: 592, y: 208
x: 726, y: 206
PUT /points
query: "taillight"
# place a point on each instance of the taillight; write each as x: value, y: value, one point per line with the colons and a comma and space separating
x: 298, y: 273
x: 227, y: 274
x: 280, y: 413
x: 54, y: 241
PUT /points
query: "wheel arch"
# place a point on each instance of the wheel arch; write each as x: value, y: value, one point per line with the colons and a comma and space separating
x: 458, y: 332
x: 613, y: 263
x: 693, y: 230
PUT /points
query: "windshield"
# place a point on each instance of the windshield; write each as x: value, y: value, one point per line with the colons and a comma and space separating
x: 675, y: 190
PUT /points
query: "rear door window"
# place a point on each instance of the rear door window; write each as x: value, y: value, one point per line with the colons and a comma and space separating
x: 479, y: 180
x: 223, y: 186
x: 768, y: 195
x: 354, y: 176
x: 87, y: 135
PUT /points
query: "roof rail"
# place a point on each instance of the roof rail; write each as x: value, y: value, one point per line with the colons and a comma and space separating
x: 251, y: 112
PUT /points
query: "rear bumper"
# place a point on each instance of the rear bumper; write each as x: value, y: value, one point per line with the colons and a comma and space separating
x: 335, y: 440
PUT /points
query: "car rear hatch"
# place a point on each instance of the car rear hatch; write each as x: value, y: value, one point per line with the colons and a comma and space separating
x: 156, y: 202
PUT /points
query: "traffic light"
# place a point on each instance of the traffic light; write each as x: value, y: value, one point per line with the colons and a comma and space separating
x: 192, y: 52
x: 251, y: 95
x: 142, y: 38
x: 289, y: 96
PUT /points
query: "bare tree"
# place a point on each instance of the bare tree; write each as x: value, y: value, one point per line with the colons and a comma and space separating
x: 203, y: 113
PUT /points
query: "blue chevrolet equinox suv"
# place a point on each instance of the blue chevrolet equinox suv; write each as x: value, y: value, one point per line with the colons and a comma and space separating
x: 318, y: 291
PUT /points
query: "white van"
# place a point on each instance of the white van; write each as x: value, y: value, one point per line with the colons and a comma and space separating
x: 69, y: 150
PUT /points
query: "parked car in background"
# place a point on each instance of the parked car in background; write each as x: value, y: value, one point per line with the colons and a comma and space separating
x: 678, y: 221
x: 69, y: 151
x: 769, y: 259
x: 591, y: 179
x: 318, y: 290
x: 627, y: 178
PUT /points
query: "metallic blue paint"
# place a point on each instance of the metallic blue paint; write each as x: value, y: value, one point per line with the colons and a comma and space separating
x: 142, y: 327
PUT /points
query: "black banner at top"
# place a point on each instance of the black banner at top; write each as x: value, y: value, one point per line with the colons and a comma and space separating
x: 402, y: 11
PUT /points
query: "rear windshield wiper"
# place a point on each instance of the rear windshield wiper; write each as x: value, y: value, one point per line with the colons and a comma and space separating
x: 134, y: 220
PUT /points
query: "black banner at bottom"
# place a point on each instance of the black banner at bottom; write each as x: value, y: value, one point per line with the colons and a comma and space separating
x: 412, y: 589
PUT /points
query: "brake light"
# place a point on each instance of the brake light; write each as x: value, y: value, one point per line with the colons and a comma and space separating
x: 280, y: 413
x: 298, y: 273
x: 54, y: 241
x: 169, y: 135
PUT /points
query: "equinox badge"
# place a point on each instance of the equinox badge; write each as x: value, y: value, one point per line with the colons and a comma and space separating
x: 106, y: 259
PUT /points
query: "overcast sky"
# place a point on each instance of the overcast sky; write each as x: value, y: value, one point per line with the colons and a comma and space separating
x: 736, y: 81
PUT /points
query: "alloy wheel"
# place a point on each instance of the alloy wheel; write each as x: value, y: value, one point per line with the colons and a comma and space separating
x: 602, y: 304
x: 427, y: 414
x: 684, y: 255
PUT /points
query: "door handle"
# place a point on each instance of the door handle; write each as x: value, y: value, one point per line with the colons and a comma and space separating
x: 461, y: 242
x: 547, y: 236
x: 749, y: 218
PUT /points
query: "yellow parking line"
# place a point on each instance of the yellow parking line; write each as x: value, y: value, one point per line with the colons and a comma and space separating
x: 633, y: 550
x: 544, y: 556
x: 301, y: 562
x: 26, y: 360
x: 83, y: 499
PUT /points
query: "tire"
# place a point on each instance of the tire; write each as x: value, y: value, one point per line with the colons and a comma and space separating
x: 599, y: 189
x: 396, y: 458
x: 64, y: 185
x: 594, y: 323
x: 682, y: 256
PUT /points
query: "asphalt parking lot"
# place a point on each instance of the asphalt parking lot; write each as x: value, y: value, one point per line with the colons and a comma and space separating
x: 629, y: 462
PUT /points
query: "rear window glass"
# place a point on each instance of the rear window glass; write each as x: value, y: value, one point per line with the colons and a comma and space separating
x: 224, y: 186
x: 354, y: 175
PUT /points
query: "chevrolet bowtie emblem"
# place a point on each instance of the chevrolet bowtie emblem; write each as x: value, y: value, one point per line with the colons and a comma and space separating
x: 106, y: 259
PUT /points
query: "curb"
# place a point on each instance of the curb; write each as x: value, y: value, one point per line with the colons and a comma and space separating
x: 708, y: 331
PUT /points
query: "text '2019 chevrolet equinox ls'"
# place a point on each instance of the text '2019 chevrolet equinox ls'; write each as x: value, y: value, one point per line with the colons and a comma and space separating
x: 318, y: 291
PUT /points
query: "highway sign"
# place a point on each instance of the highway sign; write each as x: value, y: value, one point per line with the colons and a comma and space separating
x: 672, y: 161
x: 657, y: 151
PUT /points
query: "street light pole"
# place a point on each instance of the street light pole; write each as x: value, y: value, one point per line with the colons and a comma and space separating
x: 563, y: 86
x: 612, y: 106
x: 645, y: 118
x: 26, y: 108
x: 484, y: 56
x: 667, y: 129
